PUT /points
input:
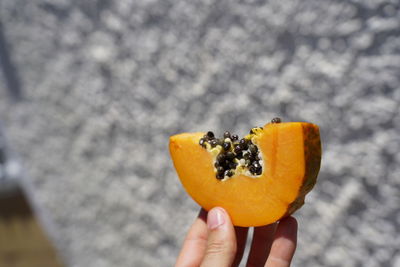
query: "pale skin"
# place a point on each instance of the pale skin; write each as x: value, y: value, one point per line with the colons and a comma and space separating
x: 213, y: 241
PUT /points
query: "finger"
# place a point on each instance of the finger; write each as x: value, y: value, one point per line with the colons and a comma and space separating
x: 261, y: 245
x: 241, y: 237
x: 284, y: 244
x: 195, y: 243
x: 221, y: 244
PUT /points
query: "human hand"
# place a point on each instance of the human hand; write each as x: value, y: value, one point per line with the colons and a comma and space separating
x: 213, y: 241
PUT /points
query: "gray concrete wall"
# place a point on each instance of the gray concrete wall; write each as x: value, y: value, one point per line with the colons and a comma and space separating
x: 91, y: 91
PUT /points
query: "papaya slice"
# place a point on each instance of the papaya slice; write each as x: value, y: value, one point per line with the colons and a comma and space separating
x: 258, y: 179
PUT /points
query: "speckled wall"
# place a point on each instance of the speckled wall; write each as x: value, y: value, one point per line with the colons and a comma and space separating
x: 93, y: 89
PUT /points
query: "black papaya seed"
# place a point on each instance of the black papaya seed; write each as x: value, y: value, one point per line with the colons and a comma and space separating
x: 226, y: 145
x: 238, y: 149
x: 227, y: 134
x: 230, y: 155
x: 276, y: 120
x: 210, y: 134
x: 213, y: 143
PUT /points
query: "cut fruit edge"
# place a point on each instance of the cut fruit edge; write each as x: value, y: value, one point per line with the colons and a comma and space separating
x: 285, y: 201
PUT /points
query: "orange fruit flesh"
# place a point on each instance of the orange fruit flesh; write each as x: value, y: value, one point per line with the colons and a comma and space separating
x: 291, y: 154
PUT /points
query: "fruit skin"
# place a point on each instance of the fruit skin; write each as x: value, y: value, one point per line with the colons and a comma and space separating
x: 291, y: 157
x: 312, y: 155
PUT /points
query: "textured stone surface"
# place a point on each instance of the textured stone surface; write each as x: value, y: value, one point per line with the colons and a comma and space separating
x: 103, y: 84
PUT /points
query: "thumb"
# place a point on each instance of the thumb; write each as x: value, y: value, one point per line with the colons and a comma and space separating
x: 221, y: 243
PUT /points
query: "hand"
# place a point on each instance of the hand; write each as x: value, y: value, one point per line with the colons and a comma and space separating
x: 213, y: 241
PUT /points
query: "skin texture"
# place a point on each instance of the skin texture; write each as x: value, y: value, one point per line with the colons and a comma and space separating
x: 212, y: 241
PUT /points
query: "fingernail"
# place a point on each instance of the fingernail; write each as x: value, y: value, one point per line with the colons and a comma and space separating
x: 215, y: 218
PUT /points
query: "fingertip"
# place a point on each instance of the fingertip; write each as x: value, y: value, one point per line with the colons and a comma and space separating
x: 289, y: 221
x: 221, y: 245
x: 216, y: 217
x: 261, y: 244
x: 202, y: 214
x: 287, y: 228
x: 284, y: 244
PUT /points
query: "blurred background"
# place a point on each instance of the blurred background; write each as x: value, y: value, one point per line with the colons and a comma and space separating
x: 90, y: 92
